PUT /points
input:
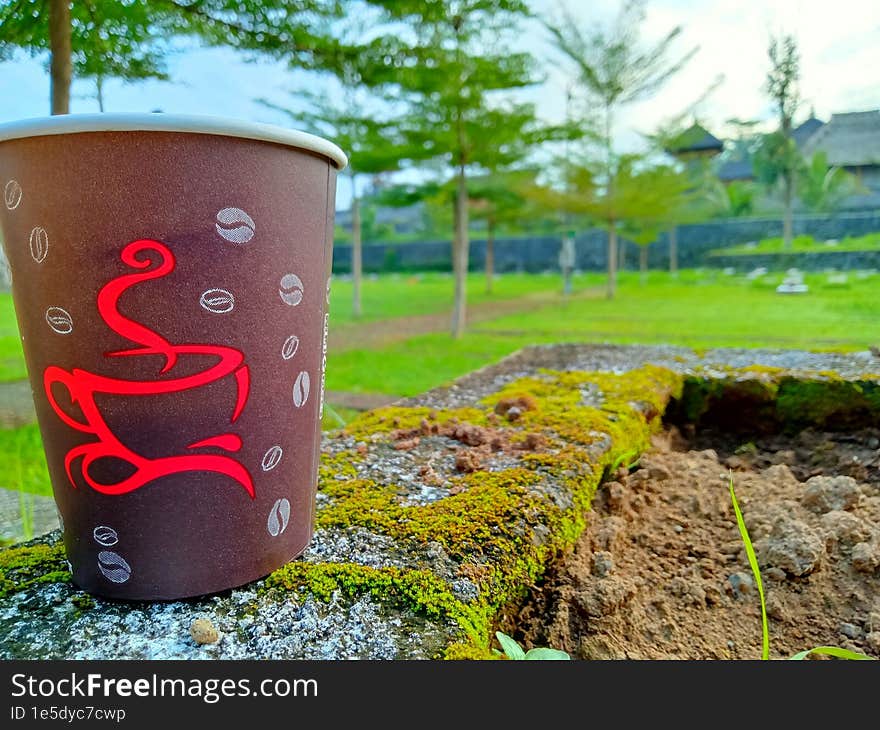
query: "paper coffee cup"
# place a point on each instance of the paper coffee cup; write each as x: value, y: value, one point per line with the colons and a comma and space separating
x: 171, y: 277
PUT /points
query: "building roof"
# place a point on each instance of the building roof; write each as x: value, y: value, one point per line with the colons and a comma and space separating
x: 849, y: 140
x: 736, y: 170
x: 806, y: 129
x: 694, y: 139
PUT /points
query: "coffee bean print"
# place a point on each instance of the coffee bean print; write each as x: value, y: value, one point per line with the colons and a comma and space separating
x: 105, y: 536
x: 279, y: 516
x: 301, y: 389
x: 113, y: 566
x: 235, y: 225
x: 290, y: 346
x: 217, y: 301
x: 12, y: 194
x: 271, y: 458
x: 291, y: 290
x: 39, y: 244
x: 59, y: 320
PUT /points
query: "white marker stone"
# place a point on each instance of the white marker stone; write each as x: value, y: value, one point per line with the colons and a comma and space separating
x: 105, y: 536
x: 279, y: 516
x: 291, y: 290
x: 217, y: 301
x: 39, y: 244
x: 290, y: 346
x: 12, y: 194
x: 301, y: 389
x: 113, y: 566
x: 59, y: 320
x: 271, y: 458
x: 235, y: 225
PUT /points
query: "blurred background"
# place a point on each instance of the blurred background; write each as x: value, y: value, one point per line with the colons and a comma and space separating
x: 701, y: 174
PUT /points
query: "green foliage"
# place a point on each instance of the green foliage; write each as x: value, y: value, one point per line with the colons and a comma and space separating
x: 740, y: 198
x: 514, y: 651
x: 821, y: 187
x: 129, y: 39
x: 776, y: 156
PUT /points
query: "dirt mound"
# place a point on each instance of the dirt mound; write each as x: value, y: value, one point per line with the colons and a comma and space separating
x: 661, y: 573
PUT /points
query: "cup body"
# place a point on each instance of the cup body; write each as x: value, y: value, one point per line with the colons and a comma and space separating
x: 171, y: 287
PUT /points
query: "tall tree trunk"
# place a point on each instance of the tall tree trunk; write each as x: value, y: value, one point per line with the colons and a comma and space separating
x: 99, y: 83
x: 609, y: 194
x: 460, y: 247
x: 490, y: 254
x: 787, y: 214
x: 356, y: 252
x: 60, y: 64
x: 643, y: 264
x: 612, y: 261
x: 673, y: 251
x: 357, y: 265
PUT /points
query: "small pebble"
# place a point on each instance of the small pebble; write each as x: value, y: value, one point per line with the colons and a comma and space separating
x: 851, y: 631
x: 203, y: 632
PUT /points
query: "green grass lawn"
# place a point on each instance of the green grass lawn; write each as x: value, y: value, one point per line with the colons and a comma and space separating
x: 11, y: 356
x: 403, y: 295
x: 697, y: 310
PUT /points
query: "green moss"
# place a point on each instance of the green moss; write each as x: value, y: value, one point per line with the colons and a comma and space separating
x: 333, y: 467
x: 488, y: 523
x: 391, y: 418
x: 828, y: 402
x: 418, y: 590
x: 27, y: 565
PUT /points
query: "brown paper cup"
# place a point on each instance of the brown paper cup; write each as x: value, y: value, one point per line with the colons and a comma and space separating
x: 171, y: 278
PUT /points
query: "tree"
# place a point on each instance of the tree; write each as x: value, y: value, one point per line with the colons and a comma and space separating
x: 778, y: 159
x: 614, y: 68
x: 660, y: 197
x: 497, y: 198
x: 456, y: 63
x: 356, y: 121
x: 128, y: 38
x: 821, y: 187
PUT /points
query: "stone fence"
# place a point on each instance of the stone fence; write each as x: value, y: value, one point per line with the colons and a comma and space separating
x: 538, y: 253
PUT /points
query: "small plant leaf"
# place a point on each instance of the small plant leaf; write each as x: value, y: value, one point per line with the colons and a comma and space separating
x: 756, y: 571
x: 834, y: 651
x: 544, y: 654
x: 511, y: 648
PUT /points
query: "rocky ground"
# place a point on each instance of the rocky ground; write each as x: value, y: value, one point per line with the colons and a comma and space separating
x: 661, y: 572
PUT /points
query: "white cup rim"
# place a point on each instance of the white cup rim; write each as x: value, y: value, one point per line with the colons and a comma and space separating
x: 161, y: 122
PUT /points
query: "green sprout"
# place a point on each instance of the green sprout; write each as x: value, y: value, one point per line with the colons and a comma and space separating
x: 834, y: 651
x: 514, y: 651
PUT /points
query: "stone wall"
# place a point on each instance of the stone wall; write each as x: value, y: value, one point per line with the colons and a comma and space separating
x: 534, y: 254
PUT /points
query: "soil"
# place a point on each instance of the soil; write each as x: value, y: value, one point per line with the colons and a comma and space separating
x: 661, y: 572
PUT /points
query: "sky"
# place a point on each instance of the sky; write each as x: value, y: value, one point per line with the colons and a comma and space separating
x: 840, y: 69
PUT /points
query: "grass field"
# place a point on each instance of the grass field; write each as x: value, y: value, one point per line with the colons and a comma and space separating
x: 698, y: 309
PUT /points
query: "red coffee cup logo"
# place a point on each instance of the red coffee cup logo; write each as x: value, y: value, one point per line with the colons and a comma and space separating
x: 83, y: 388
